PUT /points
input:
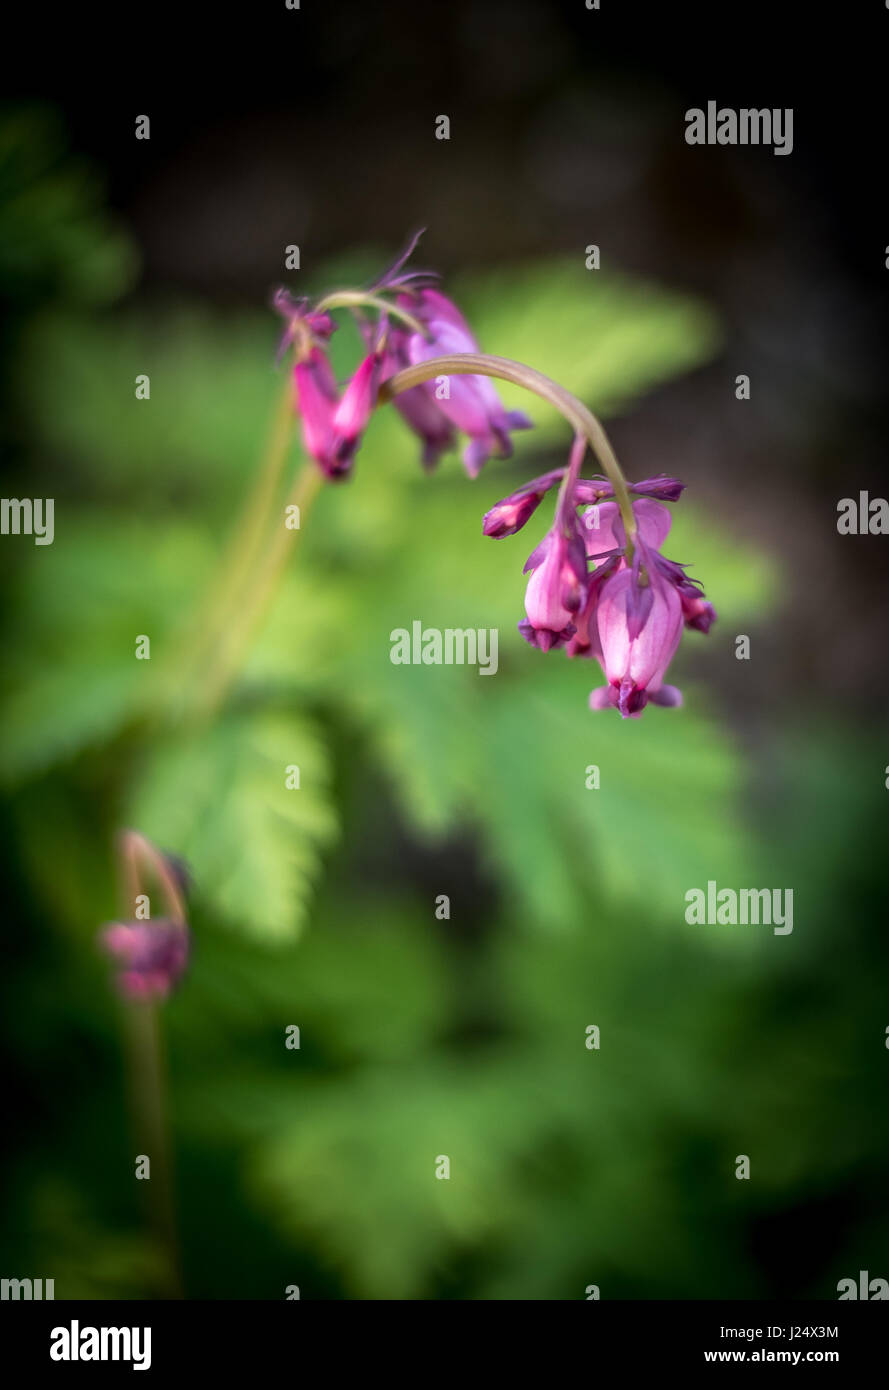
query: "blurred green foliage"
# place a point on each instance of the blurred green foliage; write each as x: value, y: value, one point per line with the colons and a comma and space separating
x: 316, y: 907
x: 58, y: 242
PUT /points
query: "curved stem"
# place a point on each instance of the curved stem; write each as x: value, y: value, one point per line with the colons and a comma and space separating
x: 139, y: 858
x: 357, y: 299
x: 575, y: 412
x: 564, y: 507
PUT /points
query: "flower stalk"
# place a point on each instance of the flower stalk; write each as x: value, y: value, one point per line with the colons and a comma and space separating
x: 147, y: 1087
x: 198, y: 647
x: 359, y: 299
x: 245, y: 615
x: 581, y: 419
x: 150, y: 954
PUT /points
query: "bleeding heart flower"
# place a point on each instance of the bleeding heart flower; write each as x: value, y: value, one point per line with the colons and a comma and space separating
x: 470, y: 403
x: 638, y: 637
x: 151, y: 956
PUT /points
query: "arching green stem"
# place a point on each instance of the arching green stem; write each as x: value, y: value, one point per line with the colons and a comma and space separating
x: 357, y: 299
x: 582, y: 420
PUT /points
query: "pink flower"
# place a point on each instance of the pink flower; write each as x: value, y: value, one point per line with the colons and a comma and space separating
x: 559, y: 580
x: 332, y: 427
x: 417, y: 406
x: 628, y: 614
x: 509, y: 515
x: 316, y: 399
x: 696, y: 611
x: 302, y: 322
x: 418, y: 410
x: 354, y: 410
x: 151, y: 956
x: 332, y: 424
x: 471, y: 403
x: 604, y: 531
x: 639, y: 624
x: 634, y: 619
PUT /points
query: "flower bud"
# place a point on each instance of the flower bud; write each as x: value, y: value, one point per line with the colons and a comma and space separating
x: 509, y: 516
x: 556, y: 590
x: 151, y: 956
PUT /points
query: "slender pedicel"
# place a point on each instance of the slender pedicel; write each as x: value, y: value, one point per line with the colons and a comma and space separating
x: 359, y: 299
x: 140, y: 858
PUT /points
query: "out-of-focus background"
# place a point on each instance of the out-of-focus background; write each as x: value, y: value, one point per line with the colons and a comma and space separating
x: 465, y: 1037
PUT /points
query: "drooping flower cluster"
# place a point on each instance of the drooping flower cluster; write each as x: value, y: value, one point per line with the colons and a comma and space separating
x: 416, y: 323
x: 151, y: 957
x: 599, y: 585
x: 630, y: 609
x: 150, y: 954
